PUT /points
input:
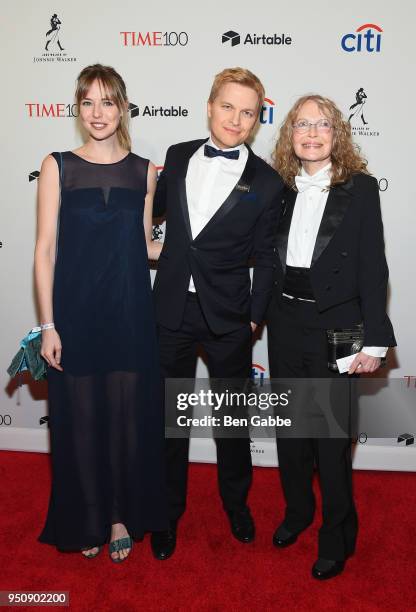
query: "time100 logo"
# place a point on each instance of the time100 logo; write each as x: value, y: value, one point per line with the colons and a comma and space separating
x: 154, y: 39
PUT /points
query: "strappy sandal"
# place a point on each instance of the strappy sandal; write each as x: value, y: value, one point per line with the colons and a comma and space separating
x: 91, y: 555
x: 118, y: 545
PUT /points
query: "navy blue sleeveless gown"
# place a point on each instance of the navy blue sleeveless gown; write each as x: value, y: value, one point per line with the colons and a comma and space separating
x: 105, y: 408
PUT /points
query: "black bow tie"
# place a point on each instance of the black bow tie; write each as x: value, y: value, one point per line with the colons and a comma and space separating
x: 211, y: 152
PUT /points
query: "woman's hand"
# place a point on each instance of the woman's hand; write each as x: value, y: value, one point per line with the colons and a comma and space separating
x: 154, y: 249
x: 51, y: 349
x: 364, y: 364
x: 153, y: 246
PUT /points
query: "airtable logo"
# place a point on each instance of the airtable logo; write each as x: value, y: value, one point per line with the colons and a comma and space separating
x: 33, y: 175
x: 255, y: 39
x: 157, y: 111
x: 233, y: 37
x: 366, y: 38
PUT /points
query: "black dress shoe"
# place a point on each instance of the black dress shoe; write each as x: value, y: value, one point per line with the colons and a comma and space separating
x: 282, y: 537
x: 242, y: 525
x: 323, y: 569
x: 164, y: 542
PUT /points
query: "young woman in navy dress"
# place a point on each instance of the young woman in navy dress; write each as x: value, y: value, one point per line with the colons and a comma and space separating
x: 94, y: 292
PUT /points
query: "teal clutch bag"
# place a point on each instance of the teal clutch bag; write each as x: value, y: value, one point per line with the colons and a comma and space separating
x: 28, y: 357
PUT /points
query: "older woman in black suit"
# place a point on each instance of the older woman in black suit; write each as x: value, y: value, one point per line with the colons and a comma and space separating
x: 331, y: 273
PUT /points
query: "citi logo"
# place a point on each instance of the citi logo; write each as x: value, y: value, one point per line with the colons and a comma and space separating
x: 366, y: 38
x: 38, y: 110
x: 257, y: 372
x: 267, y: 111
x: 234, y: 38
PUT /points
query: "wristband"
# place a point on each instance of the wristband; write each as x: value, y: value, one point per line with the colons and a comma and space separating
x: 47, y: 326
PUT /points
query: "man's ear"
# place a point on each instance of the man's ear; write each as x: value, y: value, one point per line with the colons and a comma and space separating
x: 209, y: 109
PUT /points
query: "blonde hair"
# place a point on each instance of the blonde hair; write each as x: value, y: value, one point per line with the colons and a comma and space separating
x: 346, y: 158
x: 113, y: 85
x: 242, y: 76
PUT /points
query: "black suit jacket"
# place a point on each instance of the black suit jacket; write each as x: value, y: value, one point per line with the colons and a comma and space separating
x: 349, y: 272
x: 242, y: 229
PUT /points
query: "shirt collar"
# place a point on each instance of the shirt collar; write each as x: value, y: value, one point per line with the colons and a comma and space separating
x: 325, y: 171
x: 211, y: 144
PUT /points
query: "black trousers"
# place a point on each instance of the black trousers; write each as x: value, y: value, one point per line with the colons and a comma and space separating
x: 297, y: 347
x: 228, y: 356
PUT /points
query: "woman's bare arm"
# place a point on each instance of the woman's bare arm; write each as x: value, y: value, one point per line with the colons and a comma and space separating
x: 48, y: 210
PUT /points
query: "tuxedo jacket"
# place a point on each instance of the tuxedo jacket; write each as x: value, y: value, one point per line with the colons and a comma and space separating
x: 218, y: 258
x: 349, y: 272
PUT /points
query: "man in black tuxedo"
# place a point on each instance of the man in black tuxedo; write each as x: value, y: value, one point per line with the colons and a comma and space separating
x: 221, y: 203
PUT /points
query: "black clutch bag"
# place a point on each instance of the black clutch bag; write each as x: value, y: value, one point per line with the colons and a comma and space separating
x: 345, y: 342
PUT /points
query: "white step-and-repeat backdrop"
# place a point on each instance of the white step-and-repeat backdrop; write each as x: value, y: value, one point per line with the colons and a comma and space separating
x: 168, y: 53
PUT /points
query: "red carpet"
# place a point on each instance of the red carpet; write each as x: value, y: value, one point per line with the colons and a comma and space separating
x: 210, y: 571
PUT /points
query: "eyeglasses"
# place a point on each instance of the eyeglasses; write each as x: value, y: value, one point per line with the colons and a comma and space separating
x: 302, y: 126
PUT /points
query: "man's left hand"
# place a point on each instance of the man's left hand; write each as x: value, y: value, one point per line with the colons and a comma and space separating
x: 364, y: 364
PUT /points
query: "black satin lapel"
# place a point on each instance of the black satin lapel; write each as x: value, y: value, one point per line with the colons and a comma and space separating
x: 242, y: 186
x: 282, y: 236
x: 184, y: 204
x: 182, y: 170
x: 335, y: 209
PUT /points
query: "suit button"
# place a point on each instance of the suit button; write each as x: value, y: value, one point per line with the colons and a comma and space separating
x: 275, y: 283
x: 274, y: 249
x: 335, y: 270
x: 283, y: 201
x: 344, y: 253
x: 274, y: 266
x: 328, y: 288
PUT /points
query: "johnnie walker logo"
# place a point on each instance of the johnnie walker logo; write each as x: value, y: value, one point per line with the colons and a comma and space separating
x: 53, y: 45
x: 358, y: 116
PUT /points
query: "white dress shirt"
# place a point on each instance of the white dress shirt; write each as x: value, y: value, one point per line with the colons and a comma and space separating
x: 307, y: 216
x: 209, y: 182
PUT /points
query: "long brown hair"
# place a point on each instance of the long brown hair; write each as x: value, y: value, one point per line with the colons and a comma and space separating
x: 115, y: 88
x: 346, y: 158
